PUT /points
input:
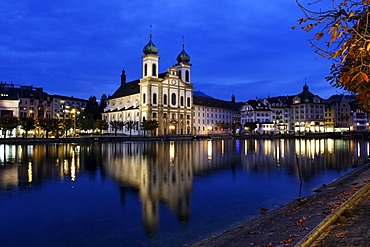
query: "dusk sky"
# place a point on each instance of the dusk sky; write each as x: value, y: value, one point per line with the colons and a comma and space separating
x: 79, y: 47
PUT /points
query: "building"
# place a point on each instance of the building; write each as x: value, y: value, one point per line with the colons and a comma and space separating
x: 214, y: 116
x: 64, y: 107
x: 337, y: 114
x: 307, y: 112
x: 166, y: 97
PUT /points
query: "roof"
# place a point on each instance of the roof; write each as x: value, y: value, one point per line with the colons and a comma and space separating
x: 306, y: 96
x: 6, y: 95
x: 211, y: 102
x: 130, y: 88
x: 258, y: 105
x: 68, y: 98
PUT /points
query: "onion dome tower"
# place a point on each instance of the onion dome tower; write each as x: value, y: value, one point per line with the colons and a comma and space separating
x: 150, y: 59
x: 183, y: 64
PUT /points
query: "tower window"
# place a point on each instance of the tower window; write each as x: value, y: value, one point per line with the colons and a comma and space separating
x: 182, y: 100
x: 154, y: 98
x: 165, y: 99
x: 144, y: 98
x: 154, y: 68
x: 188, y: 102
x: 145, y: 69
x: 187, y: 76
x: 173, y: 99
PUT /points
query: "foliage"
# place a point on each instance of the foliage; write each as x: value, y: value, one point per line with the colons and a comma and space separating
x: 222, y: 125
x: 103, y: 103
x: 342, y: 34
x: 65, y: 125
x: 149, y: 125
x: 27, y: 124
x: 101, y: 125
x: 116, y: 126
x: 8, y: 123
x: 85, y: 121
x: 48, y: 124
x: 250, y: 126
x: 92, y: 108
x: 130, y: 125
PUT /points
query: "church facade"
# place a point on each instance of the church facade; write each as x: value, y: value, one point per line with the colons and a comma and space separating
x: 165, y: 97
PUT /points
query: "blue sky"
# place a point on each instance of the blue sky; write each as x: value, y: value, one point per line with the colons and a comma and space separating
x: 79, y: 47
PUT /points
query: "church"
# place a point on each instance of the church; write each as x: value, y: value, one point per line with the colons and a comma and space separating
x: 164, y: 97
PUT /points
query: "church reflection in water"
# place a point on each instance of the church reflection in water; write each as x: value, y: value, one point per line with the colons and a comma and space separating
x: 163, y: 173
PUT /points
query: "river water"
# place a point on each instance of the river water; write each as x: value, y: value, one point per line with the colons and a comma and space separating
x: 157, y: 193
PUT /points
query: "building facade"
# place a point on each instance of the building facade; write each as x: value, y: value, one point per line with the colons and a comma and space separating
x: 166, y: 98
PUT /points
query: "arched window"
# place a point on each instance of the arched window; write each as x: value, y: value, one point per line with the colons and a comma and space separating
x: 145, y: 69
x: 154, y: 69
x: 144, y: 98
x: 182, y: 100
x: 165, y: 99
x: 188, y: 102
x: 173, y: 99
x: 154, y: 98
x: 187, y: 76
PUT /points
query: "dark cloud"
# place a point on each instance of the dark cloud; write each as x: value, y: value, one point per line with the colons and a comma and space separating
x: 79, y: 47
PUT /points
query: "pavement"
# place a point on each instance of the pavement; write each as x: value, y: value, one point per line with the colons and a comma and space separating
x: 338, y: 214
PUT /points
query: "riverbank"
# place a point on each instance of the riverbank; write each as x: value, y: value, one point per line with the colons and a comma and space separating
x: 303, y: 220
x: 122, y: 138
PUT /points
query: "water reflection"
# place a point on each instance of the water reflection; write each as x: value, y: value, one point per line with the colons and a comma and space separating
x: 163, y: 173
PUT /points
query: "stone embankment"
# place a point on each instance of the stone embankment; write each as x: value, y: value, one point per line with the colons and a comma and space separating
x: 343, y: 203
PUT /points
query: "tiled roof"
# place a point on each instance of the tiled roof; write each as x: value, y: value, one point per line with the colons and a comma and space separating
x: 211, y: 102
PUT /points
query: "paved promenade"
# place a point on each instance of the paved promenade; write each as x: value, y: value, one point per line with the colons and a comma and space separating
x: 337, y: 215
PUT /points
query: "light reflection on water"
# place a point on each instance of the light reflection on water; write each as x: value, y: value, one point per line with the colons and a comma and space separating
x: 156, y: 193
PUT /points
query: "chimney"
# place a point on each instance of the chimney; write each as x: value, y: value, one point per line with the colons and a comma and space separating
x: 123, y: 77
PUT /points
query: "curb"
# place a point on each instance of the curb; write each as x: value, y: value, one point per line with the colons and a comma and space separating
x: 330, y: 219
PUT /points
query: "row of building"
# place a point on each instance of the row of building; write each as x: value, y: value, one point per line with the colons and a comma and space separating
x: 170, y: 99
x: 32, y: 102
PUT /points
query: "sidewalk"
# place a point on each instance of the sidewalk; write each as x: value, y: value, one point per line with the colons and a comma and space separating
x: 303, y: 220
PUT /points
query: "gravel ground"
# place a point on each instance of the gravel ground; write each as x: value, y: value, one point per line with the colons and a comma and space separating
x: 293, y: 223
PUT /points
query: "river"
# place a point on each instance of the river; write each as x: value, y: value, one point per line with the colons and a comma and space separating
x: 157, y: 193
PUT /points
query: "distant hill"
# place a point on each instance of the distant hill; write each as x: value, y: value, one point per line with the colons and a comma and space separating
x: 200, y: 93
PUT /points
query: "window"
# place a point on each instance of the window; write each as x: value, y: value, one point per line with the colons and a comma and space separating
x: 154, y: 98
x: 165, y: 99
x: 145, y: 69
x: 187, y: 76
x: 173, y: 99
x: 154, y: 68
x: 144, y: 98
x: 182, y: 100
x: 188, y: 102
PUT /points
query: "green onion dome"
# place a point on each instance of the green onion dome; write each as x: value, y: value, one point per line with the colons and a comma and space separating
x: 150, y: 48
x: 183, y: 57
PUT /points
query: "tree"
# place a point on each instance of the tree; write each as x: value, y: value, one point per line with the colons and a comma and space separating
x: 103, y: 103
x: 250, y: 126
x: 93, y: 108
x: 86, y: 121
x: 27, y: 124
x: 101, y: 125
x: 222, y: 125
x: 8, y: 123
x: 48, y: 124
x: 65, y: 125
x: 116, y: 126
x: 343, y: 36
x: 130, y: 125
x: 149, y: 125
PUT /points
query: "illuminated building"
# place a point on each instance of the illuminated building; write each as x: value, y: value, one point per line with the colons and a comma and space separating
x: 163, y: 97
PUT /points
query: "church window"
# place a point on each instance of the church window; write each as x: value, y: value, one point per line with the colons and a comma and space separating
x: 187, y: 76
x: 188, y: 102
x: 144, y: 98
x: 154, y: 98
x: 145, y: 69
x: 182, y: 100
x: 154, y: 68
x: 165, y: 99
x: 173, y: 99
